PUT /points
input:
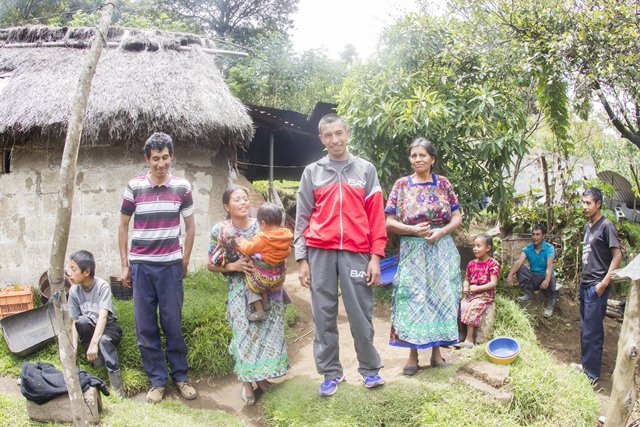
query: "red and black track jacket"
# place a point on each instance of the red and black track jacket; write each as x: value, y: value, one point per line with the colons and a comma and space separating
x: 340, y: 210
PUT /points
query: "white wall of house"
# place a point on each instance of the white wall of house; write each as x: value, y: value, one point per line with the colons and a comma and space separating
x: 531, y: 176
x: 28, y: 198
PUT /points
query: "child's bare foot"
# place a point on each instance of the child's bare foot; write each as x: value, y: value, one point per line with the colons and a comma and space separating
x: 256, y: 316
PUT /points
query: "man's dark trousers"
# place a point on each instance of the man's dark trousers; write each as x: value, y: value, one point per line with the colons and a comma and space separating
x: 159, y: 286
x: 530, y: 281
x: 592, y: 311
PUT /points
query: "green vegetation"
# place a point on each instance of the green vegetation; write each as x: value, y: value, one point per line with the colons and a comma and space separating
x: 436, y: 78
x: 127, y: 412
x: 630, y: 232
x: 436, y: 398
x: 277, y: 76
x: 283, y: 187
x: 287, y: 191
x: 204, y: 325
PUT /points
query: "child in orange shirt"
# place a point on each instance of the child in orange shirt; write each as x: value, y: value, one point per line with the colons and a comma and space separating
x: 268, y: 250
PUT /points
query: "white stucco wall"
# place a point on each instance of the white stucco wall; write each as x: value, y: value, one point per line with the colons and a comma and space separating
x: 28, y: 197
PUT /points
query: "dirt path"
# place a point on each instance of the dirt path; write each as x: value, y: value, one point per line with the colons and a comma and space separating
x: 560, y: 336
x: 224, y: 393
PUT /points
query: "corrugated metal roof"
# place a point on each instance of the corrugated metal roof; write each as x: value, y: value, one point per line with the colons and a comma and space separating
x: 624, y: 191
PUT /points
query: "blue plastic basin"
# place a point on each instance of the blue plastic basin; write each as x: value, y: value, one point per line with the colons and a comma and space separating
x: 503, y: 347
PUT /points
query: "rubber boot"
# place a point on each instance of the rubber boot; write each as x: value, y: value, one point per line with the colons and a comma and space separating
x: 527, y: 294
x: 115, y: 381
x: 551, y: 303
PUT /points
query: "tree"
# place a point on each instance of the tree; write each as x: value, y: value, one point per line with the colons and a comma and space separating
x: 80, y: 13
x: 274, y: 75
x: 62, y: 321
x: 18, y: 12
x: 593, y: 43
x: 238, y: 20
x: 435, y: 78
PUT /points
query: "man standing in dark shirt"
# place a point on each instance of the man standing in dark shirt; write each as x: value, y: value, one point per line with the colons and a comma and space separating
x: 600, y: 258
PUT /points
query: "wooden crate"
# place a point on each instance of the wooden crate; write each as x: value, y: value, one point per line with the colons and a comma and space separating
x: 15, y: 299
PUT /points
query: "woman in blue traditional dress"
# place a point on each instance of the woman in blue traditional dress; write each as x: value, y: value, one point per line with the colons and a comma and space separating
x: 258, y: 348
x: 423, y: 210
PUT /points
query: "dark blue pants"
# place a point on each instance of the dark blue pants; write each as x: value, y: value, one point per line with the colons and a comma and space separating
x: 592, y: 311
x: 107, y: 346
x: 159, y: 286
x: 530, y: 281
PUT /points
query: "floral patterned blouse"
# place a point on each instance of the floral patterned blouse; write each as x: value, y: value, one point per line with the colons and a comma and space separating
x: 415, y: 203
x: 479, y: 273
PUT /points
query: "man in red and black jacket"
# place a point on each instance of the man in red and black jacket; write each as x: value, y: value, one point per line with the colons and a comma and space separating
x: 340, y: 234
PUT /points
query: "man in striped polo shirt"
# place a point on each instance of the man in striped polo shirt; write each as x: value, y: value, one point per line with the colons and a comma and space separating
x: 156, y: 263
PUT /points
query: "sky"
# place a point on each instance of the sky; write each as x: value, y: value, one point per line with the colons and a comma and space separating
x: 331, y: 24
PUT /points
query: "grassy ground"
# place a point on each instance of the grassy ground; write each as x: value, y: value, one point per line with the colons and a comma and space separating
x: 126, y: 412
x: 546, y: 393
x: 204, y: 325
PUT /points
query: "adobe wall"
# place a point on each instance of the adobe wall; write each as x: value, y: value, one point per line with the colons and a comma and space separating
x: 28, y: 197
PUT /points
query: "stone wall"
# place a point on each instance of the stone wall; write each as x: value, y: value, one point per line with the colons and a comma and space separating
x: 28, y: 197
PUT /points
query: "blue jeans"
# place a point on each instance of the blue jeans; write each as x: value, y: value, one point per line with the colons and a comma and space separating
x: 159, y: 286
x: 592, y: 311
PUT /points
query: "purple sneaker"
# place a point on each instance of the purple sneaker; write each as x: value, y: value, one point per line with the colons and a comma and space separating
x: 371, y: 381
x: 329, y: 386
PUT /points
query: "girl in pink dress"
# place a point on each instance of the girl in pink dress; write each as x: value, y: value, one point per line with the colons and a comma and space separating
x: 479, y: 287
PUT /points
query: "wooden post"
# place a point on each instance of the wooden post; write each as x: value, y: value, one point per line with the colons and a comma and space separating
x: 623, y: 392
x: 62, y: 322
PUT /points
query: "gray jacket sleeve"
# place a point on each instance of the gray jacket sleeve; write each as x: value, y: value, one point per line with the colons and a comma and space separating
x: 305, y: 206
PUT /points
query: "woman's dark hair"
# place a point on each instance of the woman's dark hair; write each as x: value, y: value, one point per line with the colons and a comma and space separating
x: 428, y: 145
x: 226, y: 196
x: 488, y: 240
x: 85, y: 261
x: 270, y: 213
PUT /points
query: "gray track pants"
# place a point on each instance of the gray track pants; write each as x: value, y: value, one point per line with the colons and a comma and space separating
x: 351, y: 267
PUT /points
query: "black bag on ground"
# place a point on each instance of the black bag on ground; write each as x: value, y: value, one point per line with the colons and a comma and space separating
x: 41, y: 382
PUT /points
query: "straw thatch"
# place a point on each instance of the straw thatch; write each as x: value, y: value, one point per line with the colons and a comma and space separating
x: 146, y: 81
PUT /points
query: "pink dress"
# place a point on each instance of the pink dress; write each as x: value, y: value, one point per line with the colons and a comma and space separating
x: 474, y: 304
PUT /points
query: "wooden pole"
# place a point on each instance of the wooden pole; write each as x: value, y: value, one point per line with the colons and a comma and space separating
x: 62, y: 322
x: 623, y: 392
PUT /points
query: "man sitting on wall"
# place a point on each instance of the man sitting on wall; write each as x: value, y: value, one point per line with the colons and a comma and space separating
x: 539, y: 274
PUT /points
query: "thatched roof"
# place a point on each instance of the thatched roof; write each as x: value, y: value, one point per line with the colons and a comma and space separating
x: 146, y: 81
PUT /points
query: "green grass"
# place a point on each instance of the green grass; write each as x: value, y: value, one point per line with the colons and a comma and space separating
x: 127, y: 412
x: 382, y: 294
x: 545, y: 393
x: 204, y: 326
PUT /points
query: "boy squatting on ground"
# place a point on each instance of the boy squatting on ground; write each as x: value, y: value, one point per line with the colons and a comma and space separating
x: 94, y: 323
x: 268, y: 250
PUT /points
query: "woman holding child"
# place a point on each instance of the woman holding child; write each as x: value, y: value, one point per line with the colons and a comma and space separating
x: 258, y: 348
x: 423, y: 210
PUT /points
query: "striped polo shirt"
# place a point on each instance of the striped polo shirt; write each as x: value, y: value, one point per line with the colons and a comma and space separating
x: 156, y: 211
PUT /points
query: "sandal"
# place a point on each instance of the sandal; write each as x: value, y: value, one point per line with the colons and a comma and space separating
x: 463, y: 344
x: 410, y: 370
x: 249, y: 400
x: 264, y: 385
x: 436, y: 364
